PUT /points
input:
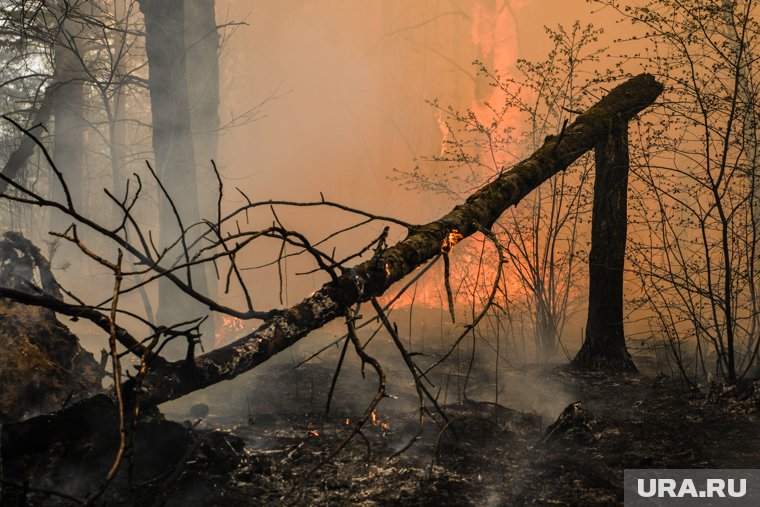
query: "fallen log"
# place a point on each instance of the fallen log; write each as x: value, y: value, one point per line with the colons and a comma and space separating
x: 373, y: 277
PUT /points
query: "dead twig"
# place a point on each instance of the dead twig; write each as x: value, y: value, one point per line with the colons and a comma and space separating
x: 366, y: 358
x: 116, y: 365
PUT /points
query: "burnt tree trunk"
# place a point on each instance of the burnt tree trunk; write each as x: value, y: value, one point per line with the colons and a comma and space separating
x: 604, y: 345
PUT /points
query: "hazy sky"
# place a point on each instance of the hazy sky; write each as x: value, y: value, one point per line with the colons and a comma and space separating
x: 345, y: 83
x: 351, y: 79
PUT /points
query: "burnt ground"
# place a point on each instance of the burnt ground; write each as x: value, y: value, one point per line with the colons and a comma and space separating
x: 493, y: 456
x: 498, y: 456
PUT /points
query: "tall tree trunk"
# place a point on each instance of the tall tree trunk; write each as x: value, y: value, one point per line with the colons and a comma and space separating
x: 202, y: 43
x: 747, y: 90
x: 115, y: 107
x: 604, y: 344
x: 68, y: 111
x: 172, y: 144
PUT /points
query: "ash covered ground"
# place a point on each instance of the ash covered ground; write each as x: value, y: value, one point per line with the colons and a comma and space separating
x: 554, y: 437
x: 542, y: 435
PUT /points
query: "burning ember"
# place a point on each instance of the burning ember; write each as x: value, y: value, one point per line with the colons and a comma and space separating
x: 377, y: 422
x: 451, y: 239
x: 227, y: 328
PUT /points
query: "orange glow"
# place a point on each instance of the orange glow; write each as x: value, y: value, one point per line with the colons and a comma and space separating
x: 411, y: 55
x: 466, y: 266
x: 451, y: 239
x: 227, y: 329
x: 484, y: 28
x: 377, y: 422
x: 494, y: 34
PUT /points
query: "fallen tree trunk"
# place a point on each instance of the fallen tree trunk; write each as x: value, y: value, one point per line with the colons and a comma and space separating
x: 373, y: 277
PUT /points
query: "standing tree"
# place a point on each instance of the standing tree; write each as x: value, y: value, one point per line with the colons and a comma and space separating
x: 604, y: 345
x: 694, y: 220
x: 165, y: 44
x: 69, y: 107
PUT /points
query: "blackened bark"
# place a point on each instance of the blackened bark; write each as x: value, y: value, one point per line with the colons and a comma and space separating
x: 172, y: 142
x: 604, y: 345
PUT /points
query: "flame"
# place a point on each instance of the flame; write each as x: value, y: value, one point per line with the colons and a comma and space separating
x: 313, y: 433
x: 377, y: 422
x: 451, y: 239
x: 429, y: 292
x: 387, y: 270
x: 493, y: 35
x: 227, y: 329
x: 348, y: 421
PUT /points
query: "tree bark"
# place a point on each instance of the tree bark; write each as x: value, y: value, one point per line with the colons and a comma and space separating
x: 202, y: 56
x: 604, y: 345
x: 172, y: 143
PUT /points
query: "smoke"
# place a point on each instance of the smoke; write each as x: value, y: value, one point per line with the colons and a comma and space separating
x: 351, y: 80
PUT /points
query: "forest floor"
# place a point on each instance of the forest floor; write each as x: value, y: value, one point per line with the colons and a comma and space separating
x: 281, y: 451
x: 494, y: 455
